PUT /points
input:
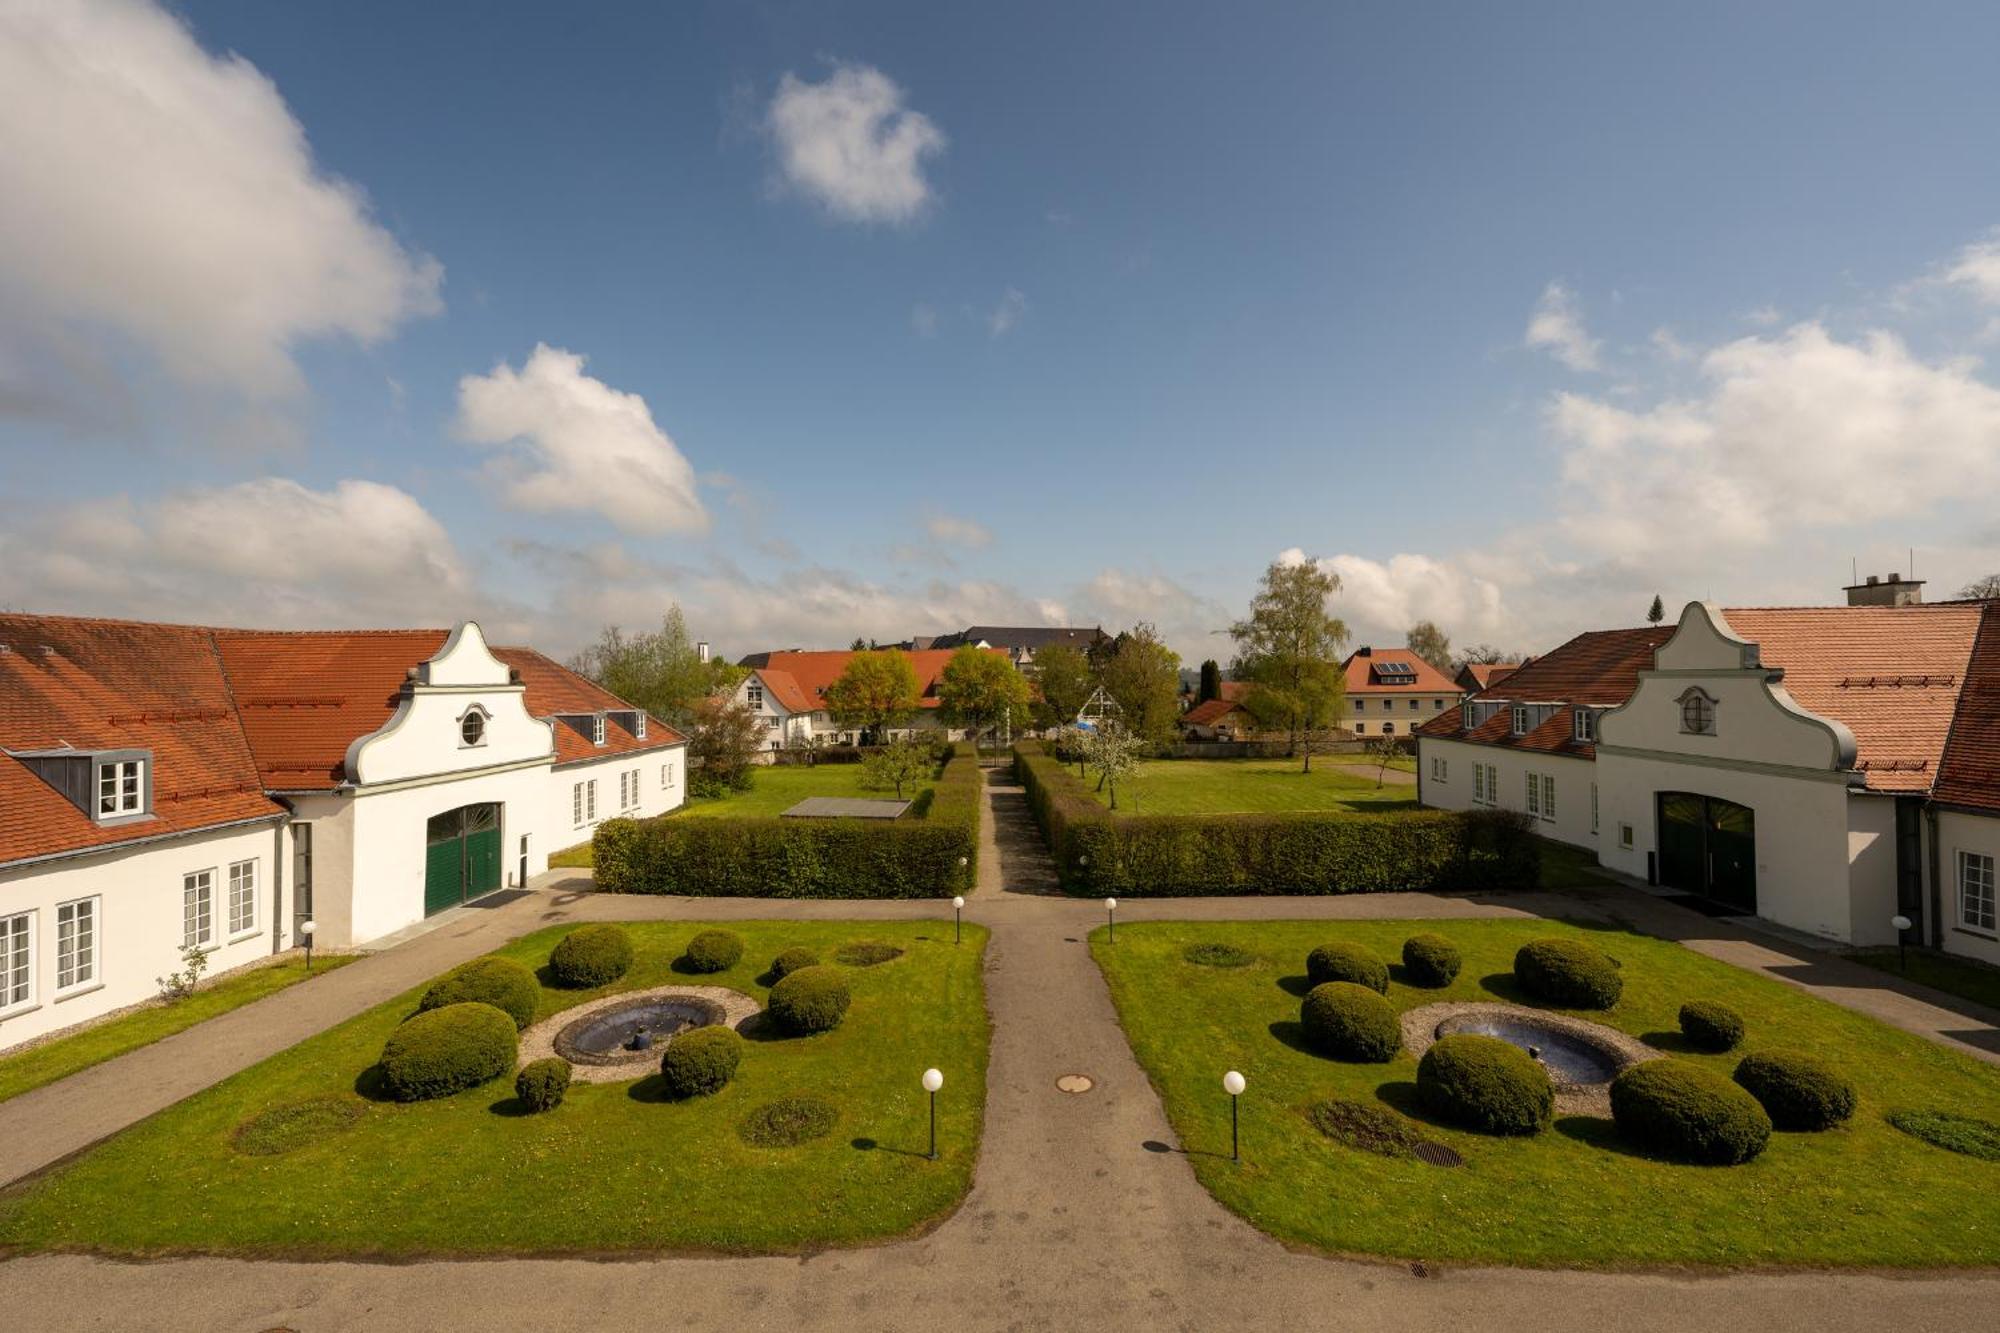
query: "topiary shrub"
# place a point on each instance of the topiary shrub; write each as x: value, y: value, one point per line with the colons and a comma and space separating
x: 700, y: 1062
x: 790, y: 961
x: 1691, y: 1114
x: 1711, y: 1027
x: 1349, y: 1021
x: 1569, y: 973
x: 713, y: 951
x: 1797, y: 1091
x: 1483, y: 1083
x: 591, y: 956
x: 1431, y: 960
x: 500, y: 982
x: 442, y: 1051
x: 1347, y: 962
x: 812, y: 999
x: 788, y: 1122
x: 542, y: 1084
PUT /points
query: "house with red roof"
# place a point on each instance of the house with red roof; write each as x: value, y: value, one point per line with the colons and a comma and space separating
x: 788, y: 692
x: 171, y: 786
x: 1392, y: 692
x: 1829, y: 769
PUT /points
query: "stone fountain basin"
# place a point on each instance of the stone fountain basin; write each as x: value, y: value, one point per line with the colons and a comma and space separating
x: 1582, y: 1057
x: 604, y: 1036
x: 731, y: 1008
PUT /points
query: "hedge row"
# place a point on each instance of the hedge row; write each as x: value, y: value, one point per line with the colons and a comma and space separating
x: 769, y: 857
x: 1136, y: 856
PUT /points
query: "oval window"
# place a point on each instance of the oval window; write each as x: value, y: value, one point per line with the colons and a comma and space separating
x: 472, y: 727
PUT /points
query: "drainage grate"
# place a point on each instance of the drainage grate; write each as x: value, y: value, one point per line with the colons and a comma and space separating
x: 1437, y: 1154
x: 1075, y: 1083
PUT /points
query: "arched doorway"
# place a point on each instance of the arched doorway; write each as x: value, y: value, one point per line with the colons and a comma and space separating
x: 461, y: 856
x: 1708, y: 847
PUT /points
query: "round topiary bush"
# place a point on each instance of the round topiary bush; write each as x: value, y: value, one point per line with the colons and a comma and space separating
x: 591, y: 956
x: 542, y: 1084
x: 713, y: 951
x: 441, y: 1051
x: 812, y: 999
x: 1431, y: 960
x: 1797, y: 1091
x: 790, y: 961
x: 500, y: 982
x: 1691, y: 1114
x: 1483, y: 1083
x: 1347, y: 962
x: 1568, y: 973
x: 1349, y: 1021
x: 700, y: 1062
x: 1711, y: 1027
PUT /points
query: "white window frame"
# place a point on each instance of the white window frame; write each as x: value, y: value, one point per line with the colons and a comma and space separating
x: 197, y: 908
x: 1535, y: 794
x: 1977, y: 908
x: 576, y: 805
x: 464, y: 719
x: 1586, y: 726
x: 128, y: 788
x: 1438, y: 769
x: 1549, y: 797
x: 17, y: 962
x: 242, y: 898
x: 1625, y: 836
x: 753, y: 694
x: 1465, y: 716
x: 597, y: 729
x: 1416, y: 705
x: 83, y: 973
x: 590, y: 801
x: 1360, y: 705
x: 1517, y: 721
x: 639, y: 730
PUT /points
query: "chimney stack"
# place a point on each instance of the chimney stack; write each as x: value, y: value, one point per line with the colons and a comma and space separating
x: 1889, y: 590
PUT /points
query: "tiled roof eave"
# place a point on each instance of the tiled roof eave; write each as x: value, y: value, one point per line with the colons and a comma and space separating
x: 276, y: 816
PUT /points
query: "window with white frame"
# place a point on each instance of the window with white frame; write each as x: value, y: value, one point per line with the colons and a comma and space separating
x: 17, y: 960
x: 1479, y: 784
x: 753, y: 694
x: 76, y: 943
x: 1415, y: 704
x: 1492, y: 785
x: 597, y: 729
x: 1360, y: 704
x: 472, y: 727
x: 576, y: 805
x: 1586, y: 725
x: 1625, y: 836
x: 1360, y: 728
x: 1534, y: 793
x: 1548, y: 796
x: 1518, y: 724
x: 1437, y: 768
x: 121, y: 789
x: 1467, y: 716
x: 590, y: 799
x: 242, y: 897
x: 640, y: 732
x: 197, y: 907
x: 1975, y: 891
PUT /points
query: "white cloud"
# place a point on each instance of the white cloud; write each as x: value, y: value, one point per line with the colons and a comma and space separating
x: 1765, y: 316
x: 1670, y: 347
x: 1006, y: 315
x: 850, y: 144
x: 1380, y: 600
x: 1978, y: 267
x: 166, y: 197
x: 1557, y: 326
x: 574, y: 443
x: 956, y: 531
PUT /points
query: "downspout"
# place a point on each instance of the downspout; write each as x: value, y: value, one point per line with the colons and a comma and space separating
x: 278, y: 859
x: 1934, y: 926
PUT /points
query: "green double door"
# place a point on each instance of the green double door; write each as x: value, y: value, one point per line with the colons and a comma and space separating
x: 461, y: 856
x: 1708, y: 847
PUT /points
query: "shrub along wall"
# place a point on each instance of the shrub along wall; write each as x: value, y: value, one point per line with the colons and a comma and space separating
x: 916, y: 856
x: 1136, y: 856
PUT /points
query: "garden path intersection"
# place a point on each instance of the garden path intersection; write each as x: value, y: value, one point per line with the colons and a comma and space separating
x: 1077, y: 1217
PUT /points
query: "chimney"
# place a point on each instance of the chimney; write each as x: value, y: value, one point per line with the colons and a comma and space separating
x: 1886, y: 590
x: 1364, y: 651
x: 701, y: 651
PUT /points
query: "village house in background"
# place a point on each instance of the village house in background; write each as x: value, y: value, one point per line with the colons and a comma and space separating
x: 1392, y: 691
x: 787, y: 690
x: 1019, y: 642
x: 1476, y: 676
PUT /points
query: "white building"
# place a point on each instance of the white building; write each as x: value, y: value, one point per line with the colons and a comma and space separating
x: 165, y: 785
x: 787, y: 690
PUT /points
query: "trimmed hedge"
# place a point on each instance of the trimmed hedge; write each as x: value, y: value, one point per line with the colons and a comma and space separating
x: 917, y: 856
x: 1347, y: 962
x: 438, y: 1052
x: 1712, y: 1027
x: 1797, y: 1091
x: 1688, y: 1113
x: 790, y: 961
x: 1160, y: 856
x: 812, y: 999
x: 1431, y: 960
x: 1485, y: 1084
x: 1351, y: 1022
x: 591, y: 956
x: 700, y: 1062
x: 542, y: 1084
x: 713, y: 951
x: 1570, y: 973
x: 500, y: 982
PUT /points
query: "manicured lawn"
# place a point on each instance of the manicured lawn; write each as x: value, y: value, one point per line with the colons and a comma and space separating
x: 1254, y: 786
x: 1954, y: 976
x: 613, y: 1169
x: 1860, y: 1195
x: 1567, y: 867
x: 30, y: 1069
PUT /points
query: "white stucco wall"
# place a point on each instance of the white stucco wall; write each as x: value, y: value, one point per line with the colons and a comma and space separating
x: 1957, y: 832
x: 662, y: 787
x: 1573, y: 780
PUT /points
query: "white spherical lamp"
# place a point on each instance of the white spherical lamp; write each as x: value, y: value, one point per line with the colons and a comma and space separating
x: 1232, y: 1083
x: 933, y: 1080
x: 958, y: 902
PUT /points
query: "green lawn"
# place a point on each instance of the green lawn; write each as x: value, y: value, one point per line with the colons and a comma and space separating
x: 1254, y: 786
x: 613, y: 1169
x: 30, y: 1069
x: 1568, y: 867
x: 1962, y: 977
x: 1860, y: 1195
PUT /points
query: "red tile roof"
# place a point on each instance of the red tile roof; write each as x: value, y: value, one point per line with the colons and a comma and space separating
x: 1211, y: 711
x: 803, y: 678
x: 1597, y: 668
x: 1485, y: 674
x: 1969, y: 772
x: 1364, y: 677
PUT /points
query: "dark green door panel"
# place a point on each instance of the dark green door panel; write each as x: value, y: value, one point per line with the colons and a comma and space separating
x: 462, y: 856
x: 1708, y: 847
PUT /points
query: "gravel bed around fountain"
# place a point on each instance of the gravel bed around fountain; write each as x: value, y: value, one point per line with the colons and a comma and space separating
x: 540, y: 1040
x: 1620, y: 1050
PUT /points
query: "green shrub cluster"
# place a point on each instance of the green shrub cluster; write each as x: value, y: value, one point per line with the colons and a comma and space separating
x: 812, y: 999
x: 713, y: 951
x: 1966, y: 1134
x: 438, y: 1052
x: 1573, y: 974
x: 1710, y: 1026
x: 917, y: 856
x: 1431, y: 960
x: 790, y: 961
x: 591, y: 956
x: 542, y: 1084
x: 1796, y: 1090
x: 700, y: 1062
x: 1350, y: 1022
x: 1139, y: 856
x: 788, y: 1122
x: 1368, y: 1126
x: 1688, y: 1113
x: 1347, y: 962
x: 1485, y: 1084
x: 500, y: 982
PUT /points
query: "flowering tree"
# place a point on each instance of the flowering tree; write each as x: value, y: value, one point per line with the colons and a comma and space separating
x: 1113, y: 753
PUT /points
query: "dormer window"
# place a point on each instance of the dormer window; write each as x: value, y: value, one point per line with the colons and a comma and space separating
x: 472, y: 727
x: 121, y: 788
x: 639, y: 729
x: 597, y: 729
x: 1519, y: 725
x: 1697, y: 712
x: 1468, y: 717
x: 1586, y: 725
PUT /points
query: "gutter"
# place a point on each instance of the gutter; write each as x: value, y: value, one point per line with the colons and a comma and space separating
x: 279, y: 818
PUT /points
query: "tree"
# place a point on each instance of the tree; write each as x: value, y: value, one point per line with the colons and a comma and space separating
x: 1113, y: 752
x: 1657, y: 611
x: 1432, y: 644
x: 897, y: 765
x: 1485, y: 654
x: 1982, y: 589
x: 1288, y: 649
x: 1144, y: 676
x: 876, y: 690
x: 1064, y: 677
x: 722, y: 746
x: 663, y: 672
x: 1384, y: 751
x: 1211, y: 682
x: 980, y: 688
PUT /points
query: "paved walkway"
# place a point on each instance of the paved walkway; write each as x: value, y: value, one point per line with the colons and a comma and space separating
x: 1076, y: 1218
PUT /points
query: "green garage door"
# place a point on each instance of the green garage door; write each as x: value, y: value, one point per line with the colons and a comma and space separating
x: 461, y: 856
x: 1708, y: 847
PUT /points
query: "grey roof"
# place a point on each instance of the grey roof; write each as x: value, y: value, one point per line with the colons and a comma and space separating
x: 1021, y: 636
x: 845, y: 807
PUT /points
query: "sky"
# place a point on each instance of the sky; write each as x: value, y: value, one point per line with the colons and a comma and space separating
x: 836, y: 320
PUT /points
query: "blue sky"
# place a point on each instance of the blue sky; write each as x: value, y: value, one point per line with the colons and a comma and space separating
x: 943, y: 314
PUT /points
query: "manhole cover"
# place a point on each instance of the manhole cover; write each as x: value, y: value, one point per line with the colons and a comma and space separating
x: 1075, y: 1083
x: 1437, y: 1154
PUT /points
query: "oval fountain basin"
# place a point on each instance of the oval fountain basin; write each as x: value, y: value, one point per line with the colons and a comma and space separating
x: 608, y: 1035
x: 1572, y: 1060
